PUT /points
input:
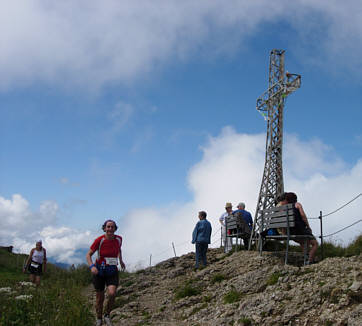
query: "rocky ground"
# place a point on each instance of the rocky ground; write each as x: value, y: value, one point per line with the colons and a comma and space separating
x: 243, y: 288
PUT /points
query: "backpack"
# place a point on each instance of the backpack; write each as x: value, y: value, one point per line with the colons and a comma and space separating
x: 241, y: 224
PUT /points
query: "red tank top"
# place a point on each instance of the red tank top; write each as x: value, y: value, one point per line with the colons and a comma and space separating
x: 109, y: 248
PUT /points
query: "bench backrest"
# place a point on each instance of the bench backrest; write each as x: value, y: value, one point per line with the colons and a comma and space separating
x: 236, y: 222
x: 278, y: 217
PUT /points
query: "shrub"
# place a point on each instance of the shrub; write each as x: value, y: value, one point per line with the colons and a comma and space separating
x: 232, y: 296
x: 245, y: 321
x: 355, y: 248
x: 273, y: 279
x: 217, y: 278
x: 186, y: 290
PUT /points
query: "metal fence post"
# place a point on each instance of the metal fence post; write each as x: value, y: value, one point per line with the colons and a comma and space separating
x: 321, y: 224
x: 174, y: 251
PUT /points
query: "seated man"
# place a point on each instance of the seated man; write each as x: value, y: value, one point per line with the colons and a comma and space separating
x: 248, y: 220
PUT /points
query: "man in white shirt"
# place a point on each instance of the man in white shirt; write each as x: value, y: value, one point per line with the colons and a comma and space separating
x: 227, y: 240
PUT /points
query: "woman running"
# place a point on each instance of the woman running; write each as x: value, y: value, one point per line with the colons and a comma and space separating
x: 36, y: 261
x: 104, y: 270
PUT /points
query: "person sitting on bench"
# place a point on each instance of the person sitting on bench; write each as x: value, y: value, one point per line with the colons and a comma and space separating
x: 301, y: 225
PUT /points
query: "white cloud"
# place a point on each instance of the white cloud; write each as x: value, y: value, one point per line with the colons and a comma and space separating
x: 16, y: 215
x: 230, y: 170
x: 21, y: 227
x: 89, y: 43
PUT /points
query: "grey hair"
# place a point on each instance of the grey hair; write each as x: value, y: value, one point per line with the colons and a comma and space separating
x: 242, y: 205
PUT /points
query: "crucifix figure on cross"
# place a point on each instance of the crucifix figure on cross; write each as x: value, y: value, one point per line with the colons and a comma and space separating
x: 271, y: 105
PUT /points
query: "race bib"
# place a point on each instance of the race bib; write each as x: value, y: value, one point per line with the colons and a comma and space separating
x: 35, y: 265
x: 111, y: 260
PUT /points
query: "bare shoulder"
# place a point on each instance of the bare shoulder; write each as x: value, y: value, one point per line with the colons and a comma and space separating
x: 298, y: 205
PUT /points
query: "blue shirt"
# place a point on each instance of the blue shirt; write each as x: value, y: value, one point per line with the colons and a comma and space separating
x: 246, y: 216
x: 202, y: 232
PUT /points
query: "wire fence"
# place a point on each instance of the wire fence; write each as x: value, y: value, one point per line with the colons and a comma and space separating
x: 336, y: 210
x: 329, y: 235
x: 219, y: 238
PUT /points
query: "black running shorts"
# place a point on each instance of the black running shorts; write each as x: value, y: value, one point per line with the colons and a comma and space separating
x: 35, y: 268
x: 100, y: 282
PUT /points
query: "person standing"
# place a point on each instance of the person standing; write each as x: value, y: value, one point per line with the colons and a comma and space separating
x: 104, y: 270
x: 36, y: 263
x: 201, y: 238
x: 222, y: 219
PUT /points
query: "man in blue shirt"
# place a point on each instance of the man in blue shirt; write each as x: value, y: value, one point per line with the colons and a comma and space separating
x: 201, y: 237
x: 247, y: 218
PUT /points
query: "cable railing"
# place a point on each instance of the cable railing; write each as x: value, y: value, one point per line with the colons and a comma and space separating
x: 329, y: 235
x: 336, y: 210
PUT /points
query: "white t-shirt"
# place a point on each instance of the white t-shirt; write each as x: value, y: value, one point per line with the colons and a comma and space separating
x: 222, y: 218
x: 38, y: 256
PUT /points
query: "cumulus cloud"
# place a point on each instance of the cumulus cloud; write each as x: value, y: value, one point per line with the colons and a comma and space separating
x: 17, y: 217
x: 20, y: 227
x: 230, y: 171
x: 90, y: 44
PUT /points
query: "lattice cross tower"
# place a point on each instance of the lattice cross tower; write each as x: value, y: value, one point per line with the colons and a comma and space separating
x: 271, y: 105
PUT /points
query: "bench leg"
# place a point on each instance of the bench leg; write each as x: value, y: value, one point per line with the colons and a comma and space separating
x: 286, y: 253
x: 260, y: 242
x: 305, y: 251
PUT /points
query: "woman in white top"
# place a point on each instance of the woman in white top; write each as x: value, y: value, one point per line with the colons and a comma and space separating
x: 36, y: 260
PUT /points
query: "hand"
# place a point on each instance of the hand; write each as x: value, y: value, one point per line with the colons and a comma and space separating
x: 123, y: 266
x: 94, y: 270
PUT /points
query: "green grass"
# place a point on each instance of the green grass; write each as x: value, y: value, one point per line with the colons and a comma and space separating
x: 232, y: 296
x: 57, y: 301
x: 217, y: 278
x: 245, y: 321
x: 187, y: 290
x: 334, y: 249
x: 273, y: 279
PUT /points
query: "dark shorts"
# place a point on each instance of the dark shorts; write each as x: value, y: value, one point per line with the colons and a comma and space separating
x: 302, y: 231
x: 35, y: 270
x: 100, y: 282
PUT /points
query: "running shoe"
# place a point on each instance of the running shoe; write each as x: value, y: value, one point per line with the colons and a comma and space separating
x: 107, y: 320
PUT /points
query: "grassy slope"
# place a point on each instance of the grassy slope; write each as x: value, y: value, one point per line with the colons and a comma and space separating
x: 58, y: 300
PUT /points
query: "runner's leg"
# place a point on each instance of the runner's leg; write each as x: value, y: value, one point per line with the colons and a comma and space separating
x: 111, y: 295
x: 99, y: 304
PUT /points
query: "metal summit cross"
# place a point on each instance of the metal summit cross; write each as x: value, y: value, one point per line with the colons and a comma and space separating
x: 271, y: 105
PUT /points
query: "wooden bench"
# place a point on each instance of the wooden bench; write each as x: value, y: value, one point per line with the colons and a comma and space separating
x: 281, y: 217
x: 237, y: 228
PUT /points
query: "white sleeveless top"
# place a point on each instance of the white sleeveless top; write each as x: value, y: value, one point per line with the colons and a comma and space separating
x: 38, y: 256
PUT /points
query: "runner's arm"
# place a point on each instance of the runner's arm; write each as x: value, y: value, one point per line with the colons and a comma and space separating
x: 123, y: 265
x: 28, y: 260
x: 45, y: 260
x: 88, y: 256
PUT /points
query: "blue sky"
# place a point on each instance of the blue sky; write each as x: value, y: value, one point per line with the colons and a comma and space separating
x: 146, y: 113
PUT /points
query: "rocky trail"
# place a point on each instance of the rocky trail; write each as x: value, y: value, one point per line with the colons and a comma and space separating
x: 242, y: 288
